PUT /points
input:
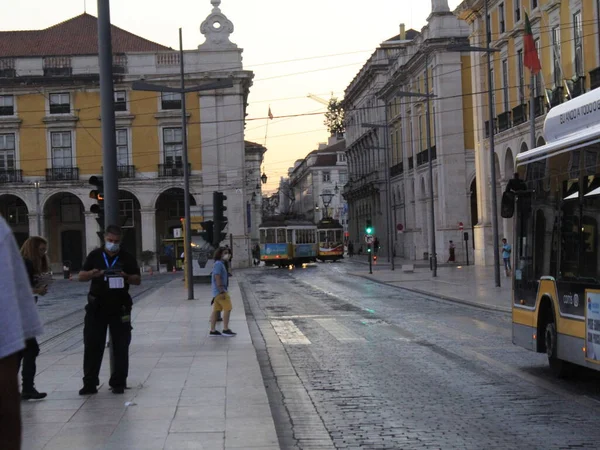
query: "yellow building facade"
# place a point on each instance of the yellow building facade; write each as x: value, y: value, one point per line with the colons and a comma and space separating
x: 51, y: 140
x: 568, y: 44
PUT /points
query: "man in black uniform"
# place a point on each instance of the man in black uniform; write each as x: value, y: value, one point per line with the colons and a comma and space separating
x: 111, y: 271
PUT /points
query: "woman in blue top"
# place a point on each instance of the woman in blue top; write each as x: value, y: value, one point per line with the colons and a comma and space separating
x: 221, y: 300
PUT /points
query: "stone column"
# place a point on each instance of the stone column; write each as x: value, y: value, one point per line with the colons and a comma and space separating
x: 148, y: 229
x: 92, y: 240
x: 34, y: 230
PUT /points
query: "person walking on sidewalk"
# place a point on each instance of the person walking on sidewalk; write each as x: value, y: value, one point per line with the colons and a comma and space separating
x: 221, y: 300
x: 111, y: 271
x: 350, y: 249
x: 19, y: 322
x: 506, y: 251
x: 452, y: 249
x: 36, y: 262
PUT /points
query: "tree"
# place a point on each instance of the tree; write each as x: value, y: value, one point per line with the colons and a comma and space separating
x: 334, y: 117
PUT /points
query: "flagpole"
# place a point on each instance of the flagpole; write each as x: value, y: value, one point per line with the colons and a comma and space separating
x: 532, y: 112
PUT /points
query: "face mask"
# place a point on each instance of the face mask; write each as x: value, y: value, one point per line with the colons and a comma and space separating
x: 226, y: 257
x: 111, y: 247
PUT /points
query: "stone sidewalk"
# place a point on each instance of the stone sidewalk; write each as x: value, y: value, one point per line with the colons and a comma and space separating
x: 472, y: 285
x: 187, y: 390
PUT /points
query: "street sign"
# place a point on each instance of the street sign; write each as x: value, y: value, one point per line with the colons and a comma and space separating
x: 369, y: 238
x: 461, y: 226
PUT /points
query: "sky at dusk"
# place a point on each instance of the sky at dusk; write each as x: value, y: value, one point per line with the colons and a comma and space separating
x: 293, y: 47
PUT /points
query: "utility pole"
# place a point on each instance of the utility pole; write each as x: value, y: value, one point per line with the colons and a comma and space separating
x: 429, y: 157
x: 37, y: 208
x: 186, y: 181
x: 107, y: 114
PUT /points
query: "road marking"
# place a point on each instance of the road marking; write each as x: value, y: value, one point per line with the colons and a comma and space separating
x: 339, y: 331
x: 289, y: 333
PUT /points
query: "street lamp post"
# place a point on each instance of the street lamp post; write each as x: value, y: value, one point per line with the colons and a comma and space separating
x: 327, y: 198
x: 182, y: 90
x: 37, y: 208
x: 487, y: 49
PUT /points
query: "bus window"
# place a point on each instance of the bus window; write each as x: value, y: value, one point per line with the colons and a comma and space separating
x: 263, y: 236
x: 270, y: 236
x: 281, y: 235
x: 525, y: 282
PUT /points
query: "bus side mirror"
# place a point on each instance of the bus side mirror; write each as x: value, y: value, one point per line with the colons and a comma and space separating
x: 507, y: 208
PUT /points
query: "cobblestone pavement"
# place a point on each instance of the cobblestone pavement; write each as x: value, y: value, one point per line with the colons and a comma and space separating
x: 350, y: 364
x: 62, y: 309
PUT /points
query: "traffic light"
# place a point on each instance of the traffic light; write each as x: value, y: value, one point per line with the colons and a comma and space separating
x: 369, y: 227
x: 207, y: 231
x: 220, y: 221
x: 98, y: 208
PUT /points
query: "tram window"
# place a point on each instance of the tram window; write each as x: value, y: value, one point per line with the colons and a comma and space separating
x: 263, y: 236
x: 338, y: 236
x: 290, y: 234
x: 271, y: 236
x: 281, y: 235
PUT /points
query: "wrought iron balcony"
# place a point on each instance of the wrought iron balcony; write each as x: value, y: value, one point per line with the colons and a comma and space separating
x: 504, y: 121
x: 172, y: 170
x: 411, y: 163
x: 11, y: 176
x: 539, y: 106
x: 397, y: 169
x: 595, y: 78
x: 126, y: 171
x: 62, y: 174
x: 487, y: 127
x: 423, y: 157
x: 519, y: 114
x: 557, y: 96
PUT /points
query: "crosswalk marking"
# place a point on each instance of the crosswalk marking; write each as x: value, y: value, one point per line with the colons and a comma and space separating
x: 289, y: 333
x: 339, y: 331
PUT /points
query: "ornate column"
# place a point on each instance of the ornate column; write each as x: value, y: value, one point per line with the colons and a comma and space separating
x: 148, y: 229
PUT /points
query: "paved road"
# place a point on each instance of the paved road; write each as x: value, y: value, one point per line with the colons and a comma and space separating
x: 354, y: 364
x: 62, y: 309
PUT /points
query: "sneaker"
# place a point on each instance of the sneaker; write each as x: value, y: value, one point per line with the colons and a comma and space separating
x: 228, y: 333
x: 118, y: 390
x: 88, y: 390
x: 33, y: 394
x: 215, y: 333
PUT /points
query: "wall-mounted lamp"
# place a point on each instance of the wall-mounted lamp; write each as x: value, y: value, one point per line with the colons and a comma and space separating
x: 263, y: 178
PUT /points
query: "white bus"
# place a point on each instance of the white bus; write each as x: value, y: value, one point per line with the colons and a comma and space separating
x: 556, y: 278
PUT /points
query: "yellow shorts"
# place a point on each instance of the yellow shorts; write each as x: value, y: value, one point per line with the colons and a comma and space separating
x: 222, y: 302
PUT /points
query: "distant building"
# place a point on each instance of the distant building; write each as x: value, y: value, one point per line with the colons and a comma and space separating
x: 318, y: 179
x: 50, y: 136
x: 254, y: 160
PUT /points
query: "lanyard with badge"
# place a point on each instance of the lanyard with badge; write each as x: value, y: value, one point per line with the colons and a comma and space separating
x: 114, y: 281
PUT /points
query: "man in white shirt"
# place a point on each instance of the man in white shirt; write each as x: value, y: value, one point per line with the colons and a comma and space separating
x: 19, y: 321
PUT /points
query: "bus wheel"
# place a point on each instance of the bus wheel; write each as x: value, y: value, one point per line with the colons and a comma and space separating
x: 560, y: 368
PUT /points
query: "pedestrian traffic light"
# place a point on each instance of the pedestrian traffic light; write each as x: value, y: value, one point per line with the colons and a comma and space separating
x: 220, y: 221
x: 207, y: 231
x: 98, y: 208
x: 369, y: 227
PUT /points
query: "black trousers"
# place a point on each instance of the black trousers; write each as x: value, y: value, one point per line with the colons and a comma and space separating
x: 27, y: 359
x: 97, y: 321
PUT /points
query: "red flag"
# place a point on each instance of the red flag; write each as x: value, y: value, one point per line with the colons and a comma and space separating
x: 530, y: 59
x: 270, y: 114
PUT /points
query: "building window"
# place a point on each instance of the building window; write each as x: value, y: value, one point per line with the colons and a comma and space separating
x: 517, y: 4
x: 343, y: 178
x: 60, y: 103
x: 170, y: 100
x: 501, y: 17
x: 62, y: 151
x: 7, y: 105
x: 534, y: 4
x: 7, y: 152
x: 539, y: 89
x: 17, y: 214
x: 488, y: 28
x: 493, y: 95
x: 505, y: 85
x: 120, y: 101
x: 557, y: 75
x: 173, y: 147
x: 521, y: 75
x: 122, y: 148
x: 341, y: 157
x: 176, y: 209
x: 70, y: 209
x: 326, y: 176
x: 578, y: 44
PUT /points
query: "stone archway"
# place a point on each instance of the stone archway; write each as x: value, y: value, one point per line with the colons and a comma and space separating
x: 169, y: 212
x: 541, y: 141
x: 523, y: 148
x: 65, y: 231
x: 15, y: 212
x: 509, y: 165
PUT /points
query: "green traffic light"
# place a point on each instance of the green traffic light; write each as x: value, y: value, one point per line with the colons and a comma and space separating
x: 369, y: 230
x: 369, y: 250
